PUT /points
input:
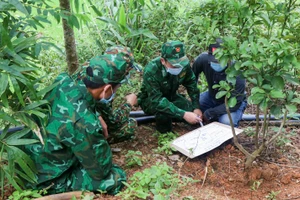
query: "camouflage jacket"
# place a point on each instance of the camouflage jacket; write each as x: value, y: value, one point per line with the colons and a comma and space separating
x: 160, y: 86
x: 74, y: 133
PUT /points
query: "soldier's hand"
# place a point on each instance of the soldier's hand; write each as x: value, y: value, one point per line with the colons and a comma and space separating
x: 198, y: 112
x: 131, y: 99
x: 191, y: 117
x: 104, y: 127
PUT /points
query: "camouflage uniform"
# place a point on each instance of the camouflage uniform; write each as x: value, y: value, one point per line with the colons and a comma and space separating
x: 159, y: 95
x: 76, y: 156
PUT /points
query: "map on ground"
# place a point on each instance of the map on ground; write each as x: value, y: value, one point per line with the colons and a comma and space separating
x: 203, y: 139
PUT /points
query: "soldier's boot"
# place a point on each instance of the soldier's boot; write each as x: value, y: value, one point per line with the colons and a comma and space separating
x: 163, y: 123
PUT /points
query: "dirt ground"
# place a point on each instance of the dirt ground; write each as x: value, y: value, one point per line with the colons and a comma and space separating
x: 220, y: 172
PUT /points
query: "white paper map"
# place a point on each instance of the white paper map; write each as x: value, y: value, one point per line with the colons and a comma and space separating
x: 203, y: 139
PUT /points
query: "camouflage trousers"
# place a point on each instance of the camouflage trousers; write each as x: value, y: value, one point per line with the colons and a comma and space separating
x: 122, y: 131
x: 76, y: 178
x: 79, y: 180
x: 163, y: 121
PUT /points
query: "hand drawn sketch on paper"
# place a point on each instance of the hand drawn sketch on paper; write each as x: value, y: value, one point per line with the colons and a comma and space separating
x: 203, y: 139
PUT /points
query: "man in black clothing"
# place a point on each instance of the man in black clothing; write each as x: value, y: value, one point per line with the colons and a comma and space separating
x: 214, y: 109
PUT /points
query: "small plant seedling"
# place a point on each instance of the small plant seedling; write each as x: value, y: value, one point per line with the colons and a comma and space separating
x: 26, y: 194
x: 159, y: 181
x: 272, y: 195
x: 255, y: 185
x: 164, y: 141
x: 133, y: 158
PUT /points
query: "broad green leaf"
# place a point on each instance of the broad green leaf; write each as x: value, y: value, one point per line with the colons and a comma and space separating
x: 4, y: 6
x: 277, y: 82
x: 257, y: 90
x: 277, y: 94
x: 232, y: 102
x: 122, y: 16
x: 290, y: 79
x: 276, y: 111
x: 73, y: 21
x: 221, y: 94
x: 252, y: 80
x: 215, y: 86
x: 247, y: 64
x: 291, y: 108
x: 263, y: 104
x: 267, y: 87
x: 19, y: 6
x: 296, y: 100
x: 256, y: 98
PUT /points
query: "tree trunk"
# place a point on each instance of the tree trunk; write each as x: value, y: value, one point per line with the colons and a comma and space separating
x: 70, y: 46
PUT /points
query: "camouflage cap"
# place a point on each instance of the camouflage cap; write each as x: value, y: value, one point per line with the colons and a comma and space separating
x: 173, y: 51
x: 126, y: 53
x: 105, y: 69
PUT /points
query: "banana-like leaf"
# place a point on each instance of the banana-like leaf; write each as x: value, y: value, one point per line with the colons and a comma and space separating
x: 3, y: 82
x: 23, y: 43
x: 17, y: 90
x: 17, y: 135
x: 22, y: 142
x: 4, y: 116
x: 46, y: 89
x: 16, y: 58
x: 35, y: 105
x: 11, y: 70
x: 23, y: 160
x: 10, y: 178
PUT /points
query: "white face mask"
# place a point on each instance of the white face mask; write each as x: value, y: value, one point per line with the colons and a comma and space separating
x: 174, y: 71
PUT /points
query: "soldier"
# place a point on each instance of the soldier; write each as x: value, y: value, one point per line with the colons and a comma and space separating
x: 159, y: 94
x: 214, y: 109
x: 76, y: 154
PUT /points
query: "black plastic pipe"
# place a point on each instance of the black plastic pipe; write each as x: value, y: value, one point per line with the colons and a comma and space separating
x: 143, y: 118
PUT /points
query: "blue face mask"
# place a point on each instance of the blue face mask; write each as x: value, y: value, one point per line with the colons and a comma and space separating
x: 217, y: 67
x: 126, y: 79
x: 174, y: 71
x: 106, y: 101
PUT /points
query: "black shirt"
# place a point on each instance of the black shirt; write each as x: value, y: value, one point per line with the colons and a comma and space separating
x: 202, y: 64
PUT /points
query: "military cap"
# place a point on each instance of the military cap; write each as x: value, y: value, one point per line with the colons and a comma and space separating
x: 173, y: 51
x: 124, y: 52
x: 105, y: 69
